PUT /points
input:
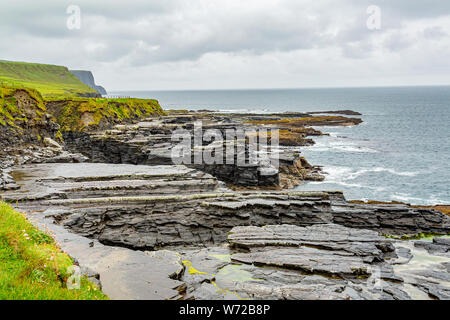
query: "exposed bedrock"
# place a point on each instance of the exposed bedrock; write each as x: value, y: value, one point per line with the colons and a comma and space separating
x: 252, y: 244
x: 46, y: 181
x: 159, y: 221
x: 150, y: 143
x: 107, y: 149
x: 325, y: 261
x: 146, y: 207
x: 325, y: 249
x: 439, y: 246
x: 124, y: 274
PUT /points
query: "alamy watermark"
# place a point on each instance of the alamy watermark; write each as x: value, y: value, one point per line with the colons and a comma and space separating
x: 74, y: 19
x: 374, y: 281
x: 233, y: 146
x: 74, y: 281
x: 374, y: 19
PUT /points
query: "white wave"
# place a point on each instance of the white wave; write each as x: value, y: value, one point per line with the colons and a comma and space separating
x: 353, y: 148
x: 259, y: 111
x: 319, y: 149
x: 343, y: 176
x: 380, y: 169
x: 340, y: 176
x: 348, y: 185
x: 336, y: 172
x: 333, y: 134
x: 335, y: 143
x: 403, y: 197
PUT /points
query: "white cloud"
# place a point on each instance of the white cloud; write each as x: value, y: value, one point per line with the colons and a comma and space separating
x: 203, y: 44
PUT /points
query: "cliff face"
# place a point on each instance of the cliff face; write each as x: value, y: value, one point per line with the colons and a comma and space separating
x: 84, y: 114
x: 87, y: 78
x: 23, y: 119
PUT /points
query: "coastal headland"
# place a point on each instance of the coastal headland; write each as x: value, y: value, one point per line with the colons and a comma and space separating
x: 146, y: 221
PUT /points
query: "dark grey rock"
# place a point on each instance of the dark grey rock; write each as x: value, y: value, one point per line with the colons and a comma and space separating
x: 323, y: 249
x: 88, y: 79
x: 122, y: 273
x: 151, y: 207
x: 437, y: 246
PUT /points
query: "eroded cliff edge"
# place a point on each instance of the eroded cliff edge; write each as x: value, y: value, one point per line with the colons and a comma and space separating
x: 195, y: 237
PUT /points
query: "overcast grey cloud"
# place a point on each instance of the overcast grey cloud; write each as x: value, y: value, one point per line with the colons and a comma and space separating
x: 207, y: 44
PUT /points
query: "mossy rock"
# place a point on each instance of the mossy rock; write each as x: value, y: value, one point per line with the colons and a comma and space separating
x: 80, y: 114
x: 19, y: 105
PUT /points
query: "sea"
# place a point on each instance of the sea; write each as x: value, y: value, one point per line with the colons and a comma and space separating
x: 401, y: 152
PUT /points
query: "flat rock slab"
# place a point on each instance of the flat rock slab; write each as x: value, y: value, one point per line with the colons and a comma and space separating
x: 152, y: 207
x: 308, y: 260
x: 322, y: 262
x: 439, y: 246
x: 323, y: 236
x: 427, y: 274
x: 88, y: 180
x: 90, y: 171
x: 329, y: 249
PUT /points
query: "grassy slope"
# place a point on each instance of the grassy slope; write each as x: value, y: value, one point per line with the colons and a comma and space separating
x: 49, y: 80
x: 76, y: 114
x: 11, y: 113
x: 32, y: 266
x: 57, y: 86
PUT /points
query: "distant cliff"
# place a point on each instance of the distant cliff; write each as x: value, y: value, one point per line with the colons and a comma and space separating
x: 87, y: 78
x: 49, y: 80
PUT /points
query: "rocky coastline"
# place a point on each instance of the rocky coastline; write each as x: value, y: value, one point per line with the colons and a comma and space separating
x: 147, y: 227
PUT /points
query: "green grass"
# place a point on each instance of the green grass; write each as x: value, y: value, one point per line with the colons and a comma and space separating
x: 71, y: 113
x: 49, y: 80
x: 32, y: 266
x: 76, y: 114
x: 55, y: 90
x: 12, y: 114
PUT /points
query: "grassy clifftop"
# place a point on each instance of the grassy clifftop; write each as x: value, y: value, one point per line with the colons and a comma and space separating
x: 77, y: 114
x: 33, y: 97
x: 49, y: 80
x: 32, y: 266
x: 26, y: 116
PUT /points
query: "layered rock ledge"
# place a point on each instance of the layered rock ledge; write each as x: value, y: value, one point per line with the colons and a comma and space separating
x: 151, y: 207
x: 151, y: 143
x: 121, y: 195
x: 328, y: 262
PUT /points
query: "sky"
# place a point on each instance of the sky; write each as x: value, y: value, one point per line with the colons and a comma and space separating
x: 234, y: 44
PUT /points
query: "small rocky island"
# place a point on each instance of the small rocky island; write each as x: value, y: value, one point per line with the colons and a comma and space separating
x: 103, y: 181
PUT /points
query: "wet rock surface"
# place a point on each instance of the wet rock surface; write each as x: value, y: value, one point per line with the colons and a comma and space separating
x: 25, y: 155
x: 345, y: 264
x: 151, y: 143
x: 437, y: 246
x: 47, y: 181
x: 327, y: 249
x: 152, y: 207
x: 122, y: 273
x: 427, y: 274
x: 145, y: 228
